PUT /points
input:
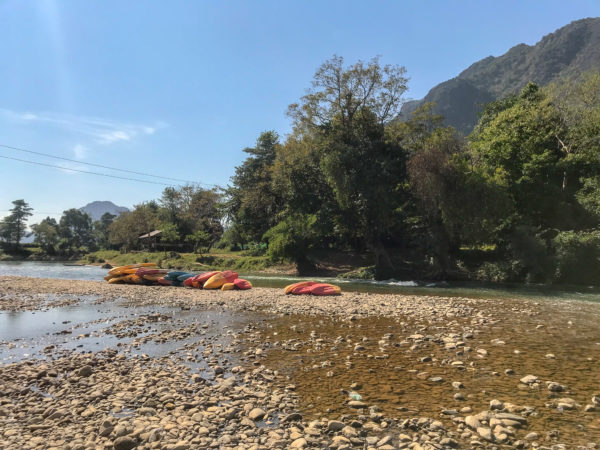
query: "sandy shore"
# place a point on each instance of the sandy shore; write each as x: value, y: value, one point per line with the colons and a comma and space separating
x: 355, y: 371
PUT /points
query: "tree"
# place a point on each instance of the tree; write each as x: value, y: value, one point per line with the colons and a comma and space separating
x: 347, y: 110
x: 199, y: 239
x: 46, y: 234
x: 169, y: 234
x: 129, y: 226
x: 252, y: 202
x: 342, y: 92
x: 14, y: 225
x: 520, y: 145
x: 101, y: 229
x: 75, y: 230
x: 455, y: 203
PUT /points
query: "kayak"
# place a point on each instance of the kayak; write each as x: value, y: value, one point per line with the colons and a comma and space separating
x: 185, y: 276
x: 325, y: 289
x: 289, y: 288
x: 199, y: 280
x: 227, y: 287
x: 312, y: 287
x: 145, y: 271
x: 121, y: 269
x: 242, y: 284
x: 219, y: 279
x: 302, y: 290
x: 174, y: 275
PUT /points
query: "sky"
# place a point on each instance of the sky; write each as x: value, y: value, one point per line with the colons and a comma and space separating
x: 178, y: 89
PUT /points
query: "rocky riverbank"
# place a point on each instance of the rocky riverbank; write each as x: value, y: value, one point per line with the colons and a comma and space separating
x: 258, y: 369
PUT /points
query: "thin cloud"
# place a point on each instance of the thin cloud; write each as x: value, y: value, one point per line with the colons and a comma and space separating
x: 103, y: 131
x: 80, y: 151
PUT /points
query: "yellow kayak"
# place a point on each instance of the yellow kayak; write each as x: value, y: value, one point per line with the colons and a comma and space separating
x: 118, y: 279
x: 227, y: 287
x: 122, y: 269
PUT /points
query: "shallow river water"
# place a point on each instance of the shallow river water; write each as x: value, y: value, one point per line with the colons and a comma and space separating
x: 400, y: 367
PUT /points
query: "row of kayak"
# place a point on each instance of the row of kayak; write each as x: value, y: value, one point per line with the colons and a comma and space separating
x: 150, y: 274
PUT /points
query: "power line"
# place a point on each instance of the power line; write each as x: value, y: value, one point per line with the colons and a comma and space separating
x: 85, y: 171
x: 100, y: 165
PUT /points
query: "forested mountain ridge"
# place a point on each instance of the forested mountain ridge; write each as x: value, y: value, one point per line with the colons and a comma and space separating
x: 569, y: 51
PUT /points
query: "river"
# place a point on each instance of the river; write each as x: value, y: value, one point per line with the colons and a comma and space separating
x: 57, y: 270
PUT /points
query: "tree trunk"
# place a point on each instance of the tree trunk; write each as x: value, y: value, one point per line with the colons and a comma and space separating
x: 384, y: 269
x: 442, y: 248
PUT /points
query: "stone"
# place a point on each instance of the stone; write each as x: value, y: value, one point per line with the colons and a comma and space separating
x: 356, y: 404
x: 472, y: 422
x: 335, y: 425
x: 341, y: 440
x: 555, y: 387
x: 124, y: 443
x: 349, y: 432
x: 529, y: 379
x: 496, y: 404
x: 532, y: 436
x: 299, y: 443
x: 256, y: 414
x: 85, y: 371
x: 485, y: 433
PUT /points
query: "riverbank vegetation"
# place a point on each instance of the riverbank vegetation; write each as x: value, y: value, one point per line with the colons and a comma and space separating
x: 516, y: 200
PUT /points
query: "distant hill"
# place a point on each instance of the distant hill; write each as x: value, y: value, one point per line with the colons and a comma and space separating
x: 96, y: 209
x: 569, y: 51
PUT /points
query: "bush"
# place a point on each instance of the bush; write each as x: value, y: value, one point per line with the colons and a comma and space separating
x: 577, y: 257
x: 530, y: 251
x: 291, y: 238
x: 362, y: 273
x: 497, y: 272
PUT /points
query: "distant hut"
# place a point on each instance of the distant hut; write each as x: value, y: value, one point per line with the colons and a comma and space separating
x: 151, y: 239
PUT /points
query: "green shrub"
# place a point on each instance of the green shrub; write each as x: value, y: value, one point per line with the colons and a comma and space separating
x: 362, y: 273
x: 291, y: 238
x: 577, y: 257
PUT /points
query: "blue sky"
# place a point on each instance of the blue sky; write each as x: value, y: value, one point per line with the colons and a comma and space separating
x: 179, y: 88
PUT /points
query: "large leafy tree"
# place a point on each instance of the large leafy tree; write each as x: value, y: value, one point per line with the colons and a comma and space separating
x: 519, y: 144
x: 75, y: 229
x: 13, y: 227
x: 346, y: 111
x: 253, y: 203
x: 46, y: 234
x: 101, y: 229
x: 129, y: 226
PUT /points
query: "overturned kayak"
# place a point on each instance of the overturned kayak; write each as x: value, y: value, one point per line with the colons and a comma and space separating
x: 312, y: 288
x: 297, y: 286
x: 122, y: 269
x: 219, y: 279
x: 242, y: 284
x: 325, y: 289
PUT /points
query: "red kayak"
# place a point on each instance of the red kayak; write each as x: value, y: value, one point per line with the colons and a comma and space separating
x: 325, y: 289
x: 302, y: 290
x: 242, y: 284
x: 145, y: 271
x: 199, y: 280
x: 188, y: 281
x: 230, y: 276
x: 165, y: 282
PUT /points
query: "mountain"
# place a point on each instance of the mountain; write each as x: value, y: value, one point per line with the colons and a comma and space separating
x: 96, y: 209
x: 569, y: 51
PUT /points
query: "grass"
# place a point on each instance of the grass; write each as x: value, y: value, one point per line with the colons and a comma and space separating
x: 219, y: 260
